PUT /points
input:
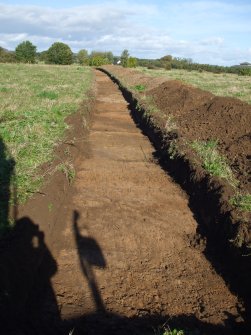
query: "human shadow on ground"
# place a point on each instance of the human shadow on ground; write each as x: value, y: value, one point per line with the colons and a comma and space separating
x: 90, y: 255
x: 28, y: 303
x: 7, y: 186
x: 26, y: 268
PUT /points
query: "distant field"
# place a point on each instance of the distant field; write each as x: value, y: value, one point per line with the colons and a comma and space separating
x: 34, y: 101
x: 230, y: 85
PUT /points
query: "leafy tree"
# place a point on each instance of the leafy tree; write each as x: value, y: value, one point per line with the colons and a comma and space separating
x: 26, y: 52
x: 60, y: 53
x: 124, y: 58
x: 167, y: 58
x: 83, y: 57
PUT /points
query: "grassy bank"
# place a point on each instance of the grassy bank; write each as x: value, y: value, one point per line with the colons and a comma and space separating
x: 34, y: 102
x: 228, y: 85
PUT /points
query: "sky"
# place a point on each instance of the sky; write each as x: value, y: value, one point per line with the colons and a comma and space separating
x: 212, y: 32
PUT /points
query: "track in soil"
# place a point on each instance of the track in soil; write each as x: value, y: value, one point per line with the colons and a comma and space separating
x: 121, y: 259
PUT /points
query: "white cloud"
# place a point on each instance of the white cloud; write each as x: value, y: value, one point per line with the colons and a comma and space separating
x: 193, y: 30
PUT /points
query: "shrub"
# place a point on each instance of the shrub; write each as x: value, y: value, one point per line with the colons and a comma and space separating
x: 98, y: 58
x: 60, y: 53
x: 131, y: 62
x: 7, y: 56
x: 26, y: 52
x: 168, y: 66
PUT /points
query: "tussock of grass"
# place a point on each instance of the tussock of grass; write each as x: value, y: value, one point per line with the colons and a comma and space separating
x: 48, y: 95
x: 242, y: 201
x: 139, y: 88
x: 34, y: 103
x: 68, y: 169
x: 213, y: 162
x: 165, y: 330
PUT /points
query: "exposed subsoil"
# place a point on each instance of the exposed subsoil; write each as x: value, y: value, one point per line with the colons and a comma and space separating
x: 118, y: 256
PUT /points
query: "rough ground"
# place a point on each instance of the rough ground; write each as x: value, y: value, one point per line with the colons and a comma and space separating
x: 122, y: 237
x: 120, y: 248
x: 200, y: 115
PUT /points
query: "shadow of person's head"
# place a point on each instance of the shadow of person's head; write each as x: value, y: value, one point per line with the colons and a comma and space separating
x: 88, y: 248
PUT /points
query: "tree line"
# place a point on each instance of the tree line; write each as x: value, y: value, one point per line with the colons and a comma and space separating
x: 61, y: 54
x: 168, y: 62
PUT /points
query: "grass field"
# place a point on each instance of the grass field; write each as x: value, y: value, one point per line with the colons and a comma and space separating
x: 229, y: 85
x: 34, y: 102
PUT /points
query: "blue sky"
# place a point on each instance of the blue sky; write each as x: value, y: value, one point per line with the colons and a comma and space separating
x: 214, y: 32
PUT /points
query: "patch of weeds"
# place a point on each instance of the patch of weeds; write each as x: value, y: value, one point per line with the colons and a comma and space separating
x: 50, y: 207
x: 170, y: 124
x: 213, y: 162
x: 166, y: 330
x: 68, y: 170
x: 172, y: 150
x: 140, y: 88
x: 242, y: 201
x: 150, y: 106
x: 174, y: 332
x: 48, y: 95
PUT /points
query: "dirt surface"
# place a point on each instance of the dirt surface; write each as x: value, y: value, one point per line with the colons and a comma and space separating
x: 226, y: 120
x: 118, y: 257
x: 199, y: 115
x: 174, y: 115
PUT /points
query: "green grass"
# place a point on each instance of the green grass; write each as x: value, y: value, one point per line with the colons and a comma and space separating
x: 163, y: 330
x: 139, y: 88
x: 48, y: 95
x: 224, y: 84
x: 34, y: 102
x: 213, y: 162
x: 242, y: 201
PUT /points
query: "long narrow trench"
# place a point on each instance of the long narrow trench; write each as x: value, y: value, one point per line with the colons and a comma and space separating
x: 123, y: 247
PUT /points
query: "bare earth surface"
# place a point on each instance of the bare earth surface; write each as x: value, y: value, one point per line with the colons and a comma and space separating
x: 119, y: 258
x: 121, y: 242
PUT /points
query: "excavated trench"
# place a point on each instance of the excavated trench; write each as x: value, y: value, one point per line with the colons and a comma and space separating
x: 121, y: 256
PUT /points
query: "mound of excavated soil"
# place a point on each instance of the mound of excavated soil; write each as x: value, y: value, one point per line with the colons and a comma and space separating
x: 202, y: 116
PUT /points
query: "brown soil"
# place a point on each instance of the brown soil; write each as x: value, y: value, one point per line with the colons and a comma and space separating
x: 119, y: 256
x: 202, y: 116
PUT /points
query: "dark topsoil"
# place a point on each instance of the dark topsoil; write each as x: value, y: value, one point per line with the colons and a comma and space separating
x: 202, y: 116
